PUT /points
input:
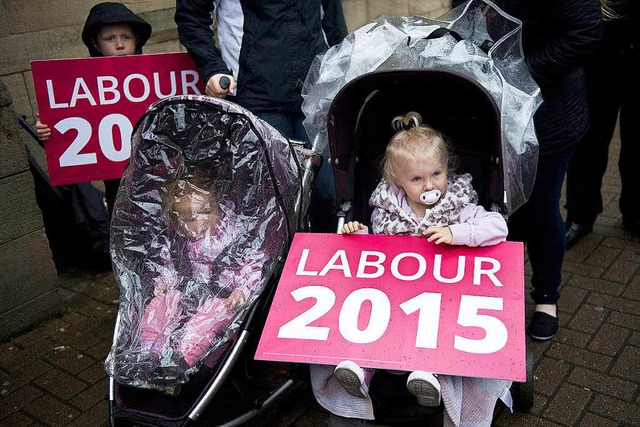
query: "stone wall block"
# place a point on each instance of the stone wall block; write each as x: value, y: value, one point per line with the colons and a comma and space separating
x: 19, y: 211
x: 28, y: 16
x: 27, y: 270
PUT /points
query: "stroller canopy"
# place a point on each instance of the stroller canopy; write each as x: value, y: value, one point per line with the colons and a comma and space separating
x: 482, y: 46
x: 224, y: 151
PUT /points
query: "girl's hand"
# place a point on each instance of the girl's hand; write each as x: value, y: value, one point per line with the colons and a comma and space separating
x: 43, y: 131
x: 236, y: 299
x: 214, y: 89
x: 439, y: 234
x: 160, y: 288
x: 352, y: 227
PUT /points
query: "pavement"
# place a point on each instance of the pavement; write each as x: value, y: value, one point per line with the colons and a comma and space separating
x: 587, y: 375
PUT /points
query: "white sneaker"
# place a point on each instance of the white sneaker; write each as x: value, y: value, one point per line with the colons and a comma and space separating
x: 351, y: 377
x: 425, y: 387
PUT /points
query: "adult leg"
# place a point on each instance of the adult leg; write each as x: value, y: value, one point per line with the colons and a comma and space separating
x: 628, y: 161
x: 589, y: 162
x: 539, y: 224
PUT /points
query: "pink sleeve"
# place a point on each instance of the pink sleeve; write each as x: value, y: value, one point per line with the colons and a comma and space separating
x: 478, y: 227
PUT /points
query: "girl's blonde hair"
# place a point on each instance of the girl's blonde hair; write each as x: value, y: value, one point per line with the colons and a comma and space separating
x: 414, y: 141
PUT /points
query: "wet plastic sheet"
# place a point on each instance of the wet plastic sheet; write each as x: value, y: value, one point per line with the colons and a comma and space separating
x: 204, y: 211
x: 490, y: 53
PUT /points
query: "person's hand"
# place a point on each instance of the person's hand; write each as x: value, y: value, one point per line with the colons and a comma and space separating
x: 439, y: 234
x: 352, y: 227
x: 236, y: 299
x: 160, y: 288
x: 43, y: 131
x: 214, y: 89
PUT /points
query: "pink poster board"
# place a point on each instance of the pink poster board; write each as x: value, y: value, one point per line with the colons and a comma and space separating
x: 92, y: 105
x: 400, y: 303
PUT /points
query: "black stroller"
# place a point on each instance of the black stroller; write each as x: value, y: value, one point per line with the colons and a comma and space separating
x: 262, y: 181
x: 465, y: 75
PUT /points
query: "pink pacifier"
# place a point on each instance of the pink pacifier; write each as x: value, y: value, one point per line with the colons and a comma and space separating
x: 430, y: 197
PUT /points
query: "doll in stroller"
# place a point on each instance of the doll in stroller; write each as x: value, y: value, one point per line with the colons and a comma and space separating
x: 204, y: 216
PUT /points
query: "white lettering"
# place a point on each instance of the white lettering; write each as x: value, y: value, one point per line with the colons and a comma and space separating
x: 365, y: 262
x: 479, y: 271
x: 332, y: 265
x: 172, y: 81
x: 52, y: 101
x: 81, y: 91
x: 301, y: 265
x: 145, y: 85
x: 422, y: 266
x: 190, y: 83
x: 437, y: 267
x: 103, y: 89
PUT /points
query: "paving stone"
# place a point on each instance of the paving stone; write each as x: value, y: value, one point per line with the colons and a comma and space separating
x: 17, y: 400
x: 70, y: 360
x: 621, y: 271
x: 27, y: 373
x: 582, y: 269
x: 36, y: 336
x: 592, y: 420
x: 633, y: 290
x: 614, y: 303
x: 572, y: 297
x: 579, y: 356
x: 60, y: 384
x: 97, y: 416
x: 18, y: 419
x: 88, y: 398
x: 616, y: 409
x: 602, y: 383
x: 610, y: 339
x: 626, y: 366
x: 588, y: 318
x: 572, y: 337
x: 596, y: 284
x: 93, y: 373
x: 548, y: 375
x: 51, y: 411
x: 602, y: 256
x: 625, y: 320
x: 568, y: 404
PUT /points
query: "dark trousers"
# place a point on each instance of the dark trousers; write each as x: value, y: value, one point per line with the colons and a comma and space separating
x: 323, y: 198
x: 538, y: 223
x: 613, y: 89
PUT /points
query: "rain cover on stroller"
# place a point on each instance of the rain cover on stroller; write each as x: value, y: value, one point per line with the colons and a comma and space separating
x: 205, y: 211
x: 490, y: 53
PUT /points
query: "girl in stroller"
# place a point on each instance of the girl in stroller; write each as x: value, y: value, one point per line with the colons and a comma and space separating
x: 416, y: 197
x: 206, y: 227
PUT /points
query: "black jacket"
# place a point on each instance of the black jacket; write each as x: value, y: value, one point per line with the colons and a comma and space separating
x: 558, y: 38
x: 268, y: 45
x: 113, y: 13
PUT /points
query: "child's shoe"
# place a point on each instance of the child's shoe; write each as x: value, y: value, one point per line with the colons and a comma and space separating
x: 351, y: 377
x: 425, y: 387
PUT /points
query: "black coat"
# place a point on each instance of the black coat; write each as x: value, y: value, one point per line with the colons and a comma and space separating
x: 558, y: 38
x: 269, y: 45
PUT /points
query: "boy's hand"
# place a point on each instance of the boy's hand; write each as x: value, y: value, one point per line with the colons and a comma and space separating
x: 214, y: 89
x: 439, y: 234
x: 352, y: 227
x: 43, y: 131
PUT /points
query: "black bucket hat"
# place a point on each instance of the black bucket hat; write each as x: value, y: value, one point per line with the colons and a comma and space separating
x: 111, y: 13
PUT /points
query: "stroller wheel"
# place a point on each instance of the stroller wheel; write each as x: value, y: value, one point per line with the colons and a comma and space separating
x: 523, y: 392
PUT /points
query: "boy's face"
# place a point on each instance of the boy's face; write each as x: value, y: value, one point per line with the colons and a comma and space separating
x: 116, y: 40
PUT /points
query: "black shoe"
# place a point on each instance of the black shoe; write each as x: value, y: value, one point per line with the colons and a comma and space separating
x: 631, y: 226
x: 543, y: 326
x: 576, y: 232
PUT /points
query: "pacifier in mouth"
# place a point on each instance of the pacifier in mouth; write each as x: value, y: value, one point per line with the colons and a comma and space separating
x: 430, y: 197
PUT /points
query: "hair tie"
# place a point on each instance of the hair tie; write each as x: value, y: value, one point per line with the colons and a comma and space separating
x: 406, y: 122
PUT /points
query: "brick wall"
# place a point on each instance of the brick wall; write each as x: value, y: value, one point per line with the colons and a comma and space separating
x: 50, y: 29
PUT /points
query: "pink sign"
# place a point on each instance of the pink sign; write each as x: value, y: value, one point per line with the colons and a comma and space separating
x: 92, y: 105
x: 400, y: 303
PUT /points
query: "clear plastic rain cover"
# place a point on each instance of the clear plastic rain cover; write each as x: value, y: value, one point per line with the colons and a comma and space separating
x: 204, y: 211
x: 490, y: 53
